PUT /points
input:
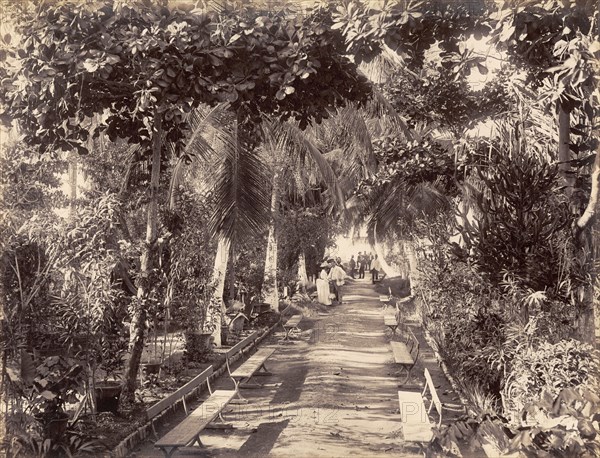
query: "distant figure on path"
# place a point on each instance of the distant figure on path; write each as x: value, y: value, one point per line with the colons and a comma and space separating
x: 323, y: 285
x: 362, y: 265
x: 352, y: 265
x: 369, y: 260
x: 375, y: 268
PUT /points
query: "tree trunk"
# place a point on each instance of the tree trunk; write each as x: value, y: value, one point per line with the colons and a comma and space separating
x: 73, y: 158
x: 137, y: 328
x: 378, y: 248
x: 413, y: 266
x: 219, y: 274
x: 302, y: 275
x: 564, y: 150
x: 587, y: 220
x: 269, y: 290
x: 588, y: 235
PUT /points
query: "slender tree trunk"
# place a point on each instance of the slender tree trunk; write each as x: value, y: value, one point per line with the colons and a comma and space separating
x: 588, y: 235
x: 232, y: 273
x: 269, y: 288
x: 587, y: 220
x: 378, y: 248
x: 564, y: 150
x: 73, y: 157
x: 219, y: 274
x: 137, y: 328
x: 302, y: 275
x: 3, y: 381
x: 413, y: 266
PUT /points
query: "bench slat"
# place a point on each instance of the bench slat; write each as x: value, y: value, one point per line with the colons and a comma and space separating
x: 174, y: 397
x: 241, y: 344
x: 293, y: 321
x: 253, y: 363
x: 401, y: 353
x: 389, y: 320
x: 188, y: 429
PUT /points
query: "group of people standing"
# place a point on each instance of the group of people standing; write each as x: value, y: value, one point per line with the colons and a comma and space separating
x: 330, y: 281
x: 365, y: 262
x: 332, y: 275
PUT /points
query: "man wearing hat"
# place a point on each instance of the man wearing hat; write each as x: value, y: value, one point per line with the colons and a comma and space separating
x: 337, y: 274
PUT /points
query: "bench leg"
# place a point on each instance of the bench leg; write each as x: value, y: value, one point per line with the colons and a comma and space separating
x: 286, y: 338
x: 220, y: 424
x: 240, y: 399
x: 154, y: 430
x: 393, y: 328
x: 197, y: 439
x: 406, y: 376
x: 262, y: 370
x: 168, y: 451
x: 245, y: 385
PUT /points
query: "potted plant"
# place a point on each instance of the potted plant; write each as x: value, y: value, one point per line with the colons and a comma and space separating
x: 202, y: 325
x: 112, y: 357
x: 46, y: 389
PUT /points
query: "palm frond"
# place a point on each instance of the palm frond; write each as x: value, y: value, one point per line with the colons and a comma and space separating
x: 400, y: 205
x: 211, y: 140
x: 242, y: 202
x: 299, y: 146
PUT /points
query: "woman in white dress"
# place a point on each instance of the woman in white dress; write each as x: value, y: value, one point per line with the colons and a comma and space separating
x: 323, y: 286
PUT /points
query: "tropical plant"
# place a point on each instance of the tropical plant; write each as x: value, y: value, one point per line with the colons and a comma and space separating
x: 547, y: 369
x: 37, y: 420
x: 144, y: 79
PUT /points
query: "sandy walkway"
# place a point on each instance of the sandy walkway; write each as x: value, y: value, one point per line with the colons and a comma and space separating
x: 333, y: 393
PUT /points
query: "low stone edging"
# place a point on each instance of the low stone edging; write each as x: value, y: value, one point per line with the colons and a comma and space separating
x: 143, y: 432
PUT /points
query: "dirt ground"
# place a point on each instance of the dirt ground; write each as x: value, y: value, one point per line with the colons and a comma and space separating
x: 333, y: 392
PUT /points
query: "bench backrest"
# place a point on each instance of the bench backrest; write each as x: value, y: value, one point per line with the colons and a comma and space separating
x: 414, y: 344
x: 285, y: 311
x: 435, y: 399
x: 176, y: 396
x: 294, y: 320
x: 237, y: 323
x: 241, y: 344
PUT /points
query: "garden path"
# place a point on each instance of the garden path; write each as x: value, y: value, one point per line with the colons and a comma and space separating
x: 333, y: 393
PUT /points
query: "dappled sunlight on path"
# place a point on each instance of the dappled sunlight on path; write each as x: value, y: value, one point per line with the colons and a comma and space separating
x: 333, y: 392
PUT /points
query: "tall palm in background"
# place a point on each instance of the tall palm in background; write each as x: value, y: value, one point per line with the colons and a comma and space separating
x: 237, y: 177
x: 295, y: 163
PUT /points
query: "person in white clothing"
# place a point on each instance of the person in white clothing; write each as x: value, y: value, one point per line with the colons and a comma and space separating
x: 338, y: 275
x: 323, y: 285
x: 375, y: 268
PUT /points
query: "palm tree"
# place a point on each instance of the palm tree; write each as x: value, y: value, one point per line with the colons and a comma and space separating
x: 295, y: 160
x: 236, y: 175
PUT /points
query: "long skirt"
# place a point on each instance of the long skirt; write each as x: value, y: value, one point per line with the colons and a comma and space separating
x: 323, y: 292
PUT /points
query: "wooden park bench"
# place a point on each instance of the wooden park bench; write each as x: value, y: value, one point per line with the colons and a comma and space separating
x: 406, y: 354
x: 188, y: 431
x: 391, y: 322
x: 290, y: 325
x: 386, y: 300
x: 416, y: 425
x: 253, y: 366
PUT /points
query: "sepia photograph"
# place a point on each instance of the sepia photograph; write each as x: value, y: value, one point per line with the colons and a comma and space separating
x: 299, y: 228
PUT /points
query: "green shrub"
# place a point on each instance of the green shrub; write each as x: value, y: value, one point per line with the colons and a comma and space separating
x: 547, y: 368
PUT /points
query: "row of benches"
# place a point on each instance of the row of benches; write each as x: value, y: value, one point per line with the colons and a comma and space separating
x: 415, y: 416
x: 187, y: 432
